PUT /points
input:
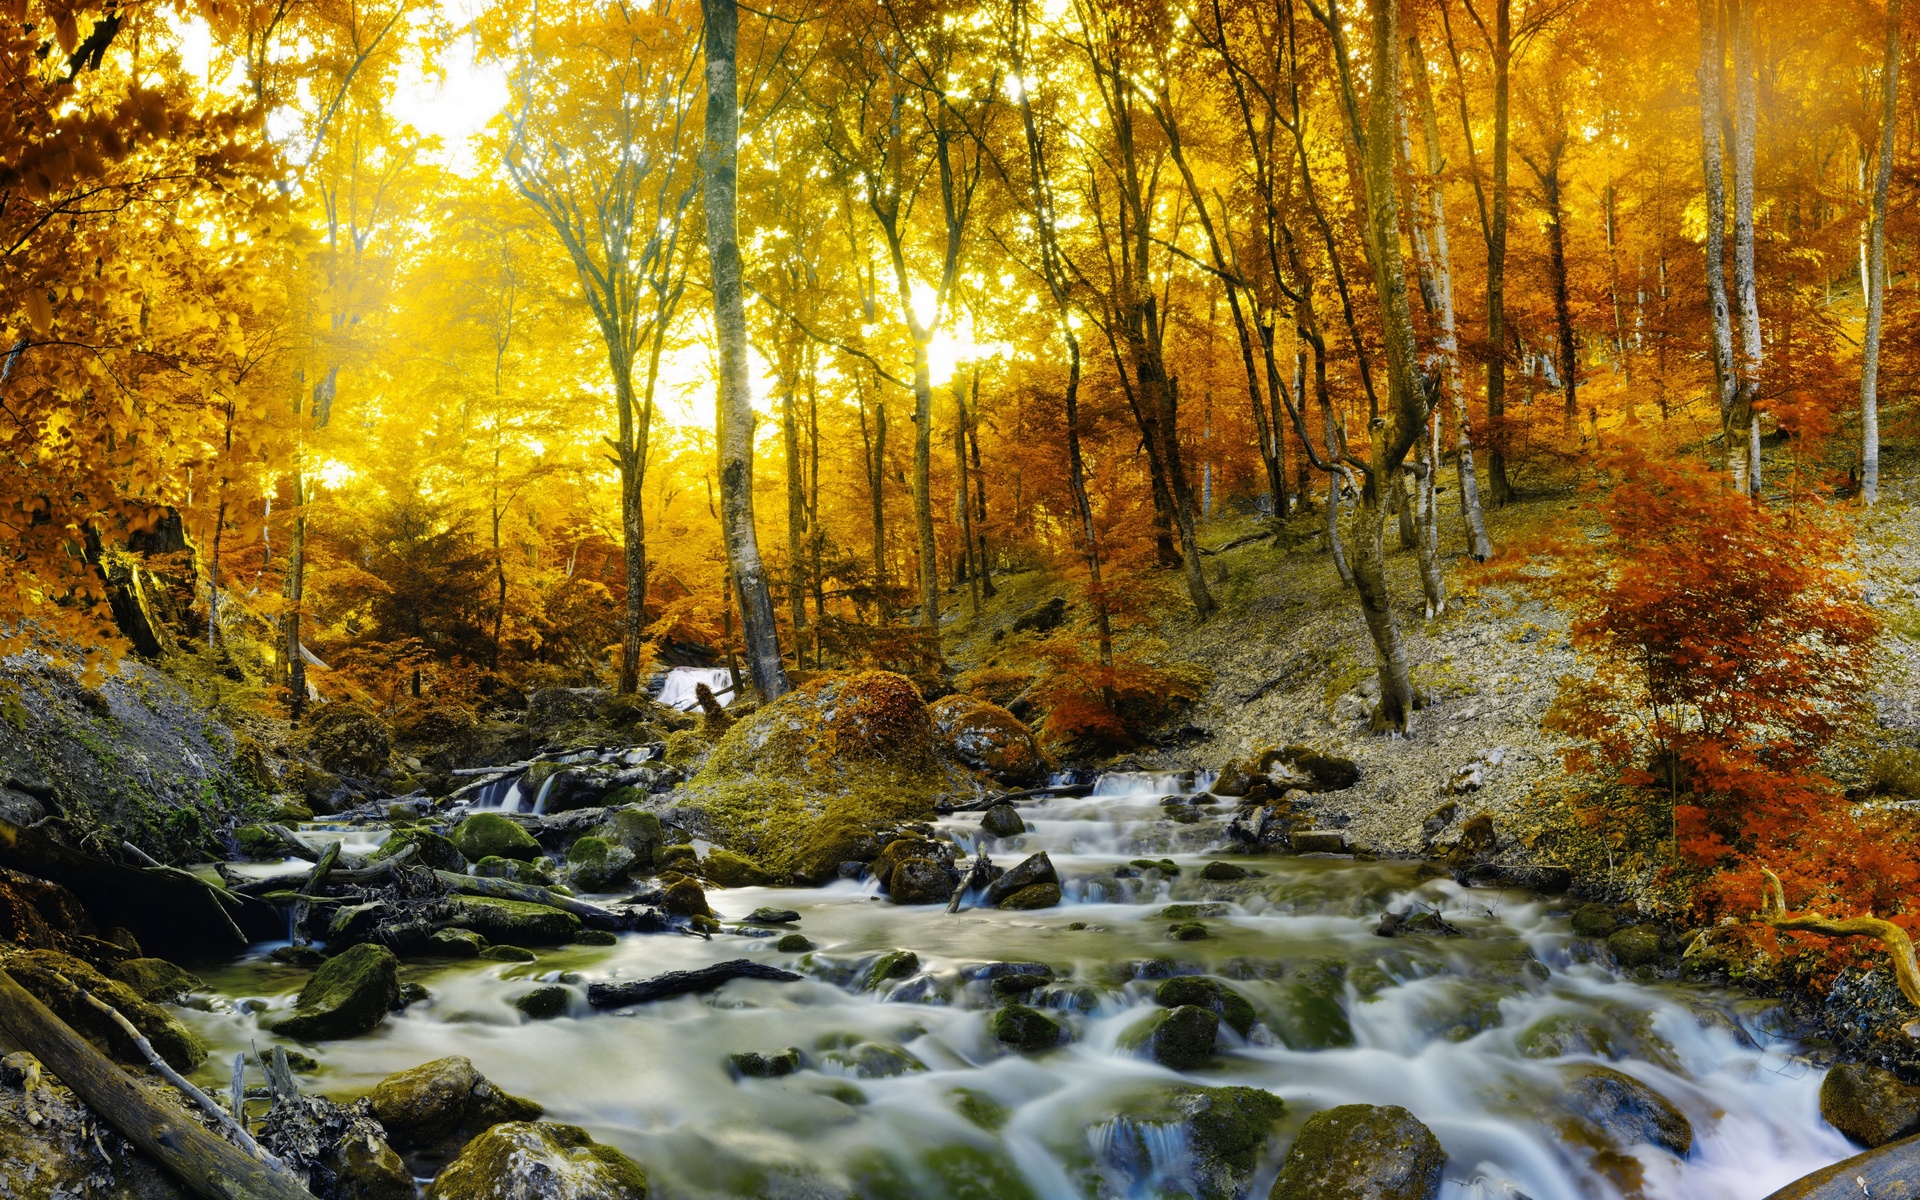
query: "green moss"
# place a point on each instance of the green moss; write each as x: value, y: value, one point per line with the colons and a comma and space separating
x: 983, y: 1110
x: 1197, y: 990
x: 259, y: 842
x: 347, y: 996
x: 1896, y: 772
x: 485, y: 834
x: 513, y: 922
x: 1024, y: 1029
x: 1311, y: 1013
x: 972, y: 1173
x: 430, y: 849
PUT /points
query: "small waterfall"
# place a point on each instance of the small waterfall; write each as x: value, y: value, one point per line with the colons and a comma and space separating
x: 678, y: 689
x: 540, y: 797
x: 498, y: 795
x: 1153, y: 1156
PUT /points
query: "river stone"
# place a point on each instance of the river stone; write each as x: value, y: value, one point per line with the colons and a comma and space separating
x: 156, y: 979
x: 1002, y: 821
x: 543, y: 1003
x: 1309, y: 1012
x: 1636, y: 946
x: 636, y: 829
x: 1223, y: 871
x: 1200, y: 992
x: 36, y: 971
x: 772, y: 916
x: 793, y: 943
x: 753, y: 1065
x: 1181, y: 1038
x: 988, y: 738
x: 429, y: 849
x: 512, y: 922
x: 1870, y: 1105
x: 1225, y: 1129
x: 866, y: 1059
x: 535, y: 872
x: 685, y: 898
x: 347, y: 996
x: 1034, y: 869
x: 510, y: 954
x: 901, y: 849
x: 525, y: 1160
x: 1024, y: 1029
x: 259, y: 843
x: 1038, y: 895
x: 728, y: 869
x: 1564, y: 1035
x: 1361, y: 1152
x: 894, y: 964
x: 347, y: 739
x: 486, y: 834
x: 598, y: 865
x: 921, y: 881
x: 1627, y: 1111
x: 1187, y: 931
x: 456, y: 943
x: 1594, y: 921
x: 443, y: 1102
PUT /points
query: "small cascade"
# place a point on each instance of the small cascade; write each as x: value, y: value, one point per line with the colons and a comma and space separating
x: 678, y: 689
x: 540, y: 797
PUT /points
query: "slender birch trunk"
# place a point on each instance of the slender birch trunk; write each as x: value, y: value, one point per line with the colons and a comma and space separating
x: 1745, y: 417
x: 1877, y: 266
x: 1499, y: 485
x: 1713, y: 170
x: 735, y: 402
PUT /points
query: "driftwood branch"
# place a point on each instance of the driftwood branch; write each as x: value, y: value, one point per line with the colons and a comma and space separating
x: 1898, y: 945
x: 506, y: 889
x: 978, y: 875
x: 681, y: 983
x: 210, y: 1165
x: 1065, y: 789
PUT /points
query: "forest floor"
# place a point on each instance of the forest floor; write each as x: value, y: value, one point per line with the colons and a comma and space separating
x: 1291, y: 662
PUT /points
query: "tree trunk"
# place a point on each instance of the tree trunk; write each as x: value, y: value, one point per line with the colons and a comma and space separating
x: 963, y: 495
x: 735, y: 406
x: 1497, y: 481
x: 1745, y: 417
x: 1877, y: 266
x: 796, y: 523
x: 980, y: 490
x: 633, y: 530
x: 876, y: 448
x: 923, y: 482
x: 1446, y: 337
x: 1713, y: 172
x: 295, y: 590
x: 1557, y: 280
x: 1182, y: 496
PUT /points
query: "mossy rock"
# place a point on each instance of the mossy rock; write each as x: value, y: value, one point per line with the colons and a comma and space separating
x: 1181, y: 1038
x: 1566, y: 1035
x: 1024, y: 1029
x: 553, y: 1161
x: 1226, y: 1129
x: 1870, y: 1105
x: 728, y: 869
x: 41, y: 972
x: 1038, y: 895
x: 156, y: 980
x: 677, y: 857
x: 259, y: 843
x: 346, y: 997
x: 1225, y: 871
x: 1003, y: 821
x: 535, y: 872
x: 1310, y: 1012
x: 1193, y: 912
x: 429, y: 849
x: 442, y: 1103
x: 597, y: 865
x: 487, y: 834
x: 1029, y: 872
x: 1624, y: 1110
x: 1362, y: 1152
x: 456, y: 943
x: 1594, y: 921
x: 512, y: 922
x: 967, y: 1172
x: 635, y: 829
x: 508, y: 954
x: 793, y: 784
x: 988, y: 738
x: 754, y: 1065
x: 543, y: 1003
x: 793, y: 943
x: 894, y: 964
x: 866, y: 1059
x: 983, y: 1110
x: 687, y: 749
x: 686, y: 898
x: 1188, y: 931
x: 1216, y: 997
x: 1636, y: 946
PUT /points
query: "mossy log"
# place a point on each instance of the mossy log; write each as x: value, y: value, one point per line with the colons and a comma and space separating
x: 1899, y: 946
x: 681, y: 983
x: 1892, y: 1171
x: 593, y: 915
x: 207, y: 1164
x: 1065, y: 789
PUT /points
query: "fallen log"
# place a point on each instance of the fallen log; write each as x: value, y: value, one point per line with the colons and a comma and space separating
x: 593, y: 915
x: 209, y: 1165
x: 295, y: 845
x: 978, y: 875
x: 310, y: 887
x: 1065, y: 789
x: 681, y: 983
x: 1890, y: 1173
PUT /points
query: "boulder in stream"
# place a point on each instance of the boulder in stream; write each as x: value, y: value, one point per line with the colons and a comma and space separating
x: 1870, y: 1105
x: 429, y: 849
x: 921, y: 881
x: 1225, y: 1130
x: 346, y: 997
x: 512, y: 922
x: 1002, y: 821
x: 1362, y: 1152
x: 1031, y: 871
x: 598, y: 865
x: 1625, y: 1111
x: 1216, y: 997
x: 443, y: 1103
x: 988, y: 738
x: 487, y: 834
x: 728, y: 869
x: 1635, y: 946
x: 1024, y: 1029
x: 539, y: 1160
x: 1181, y: 1038
x: 52, y: 977
x: 156, y: 980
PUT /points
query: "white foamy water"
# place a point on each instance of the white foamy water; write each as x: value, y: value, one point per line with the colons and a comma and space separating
x: 678, y: 690
x: 915, y: 1099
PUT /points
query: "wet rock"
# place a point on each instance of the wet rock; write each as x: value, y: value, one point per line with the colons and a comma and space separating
x: 921, y: 881
x: 347, y: 996
x: 456, y: 943
x: 1194, y: 912
x: 1165, y: 866
x: 1870, y: 1105
x: 539, y: 1159
x: 1263, y: 827
x: 297, y: 956
x: 598, y: 865
x: 866, y: 1059
x: 429, y: 849
x: 1002, y: 821
x: 753, y: 1065
x: 543, y: 1003
x: 1200, y: 992
x: 1309, y: 1010
x: 1038, y: 895
x: 895, y: 964
x: 440, y: 1104
x: 1362, y: 1152
x: 772, y: 916
x: 685, y: 898
x: 1626, y: 1111
x: 535, y: 872
x: 678, y: 857
x: 728, y: 869
x: 596, y: 937
x: 1635, y: 946
x: 1319, y: 841
x: 1594, y: 921
x: 52, y: 976
x: 487, y: 834
x: 988, y: 738
x: 572, y: 788
x: 509, y: 954
x: 156, y: 979
x: 1407, y: 923
x: 901, y: 849
x: 926, y: 989
x: 348, y: 740
x: 1034, y: 869
x: 512, y: 922
x: 1225, y: 871
x: 1565, y: 1035
x: 1181, y: 1038
x: 1550, y: 879
x: 636, y: 830
x: 1188, y: 931
x: 1014, y: 987
x: 793, y: 943
x: 1024, y: 1029
x: 53, y: 1147
x: 1224, y: 1129
x: 1311, y: 771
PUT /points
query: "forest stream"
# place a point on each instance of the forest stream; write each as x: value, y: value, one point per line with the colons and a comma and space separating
x: 1543, y: 1071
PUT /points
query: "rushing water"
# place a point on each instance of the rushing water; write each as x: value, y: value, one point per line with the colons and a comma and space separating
x: 905, y: 1093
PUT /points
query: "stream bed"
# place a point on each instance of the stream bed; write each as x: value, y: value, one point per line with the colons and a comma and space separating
x: 902, y: 1091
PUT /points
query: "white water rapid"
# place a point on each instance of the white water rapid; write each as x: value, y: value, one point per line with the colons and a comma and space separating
x: 904, y: 1093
